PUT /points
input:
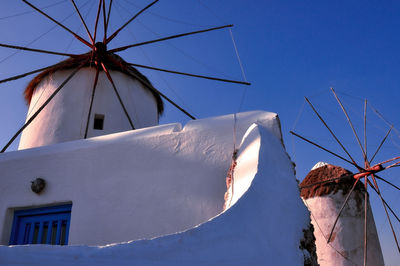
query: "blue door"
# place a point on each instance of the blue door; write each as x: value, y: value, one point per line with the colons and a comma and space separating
x: 48, y: 225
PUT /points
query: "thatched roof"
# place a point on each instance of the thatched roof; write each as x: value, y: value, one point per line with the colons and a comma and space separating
x: 114, y: 63
x: 313, y: 184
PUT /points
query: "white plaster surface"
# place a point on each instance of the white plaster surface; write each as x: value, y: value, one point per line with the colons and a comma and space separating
x: 263, y: 227
x: 65, y: 117
x: 347, y: 247
x: 318, y: 165
x: 130, y: 185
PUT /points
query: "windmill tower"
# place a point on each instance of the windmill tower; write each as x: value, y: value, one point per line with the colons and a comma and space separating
x: 88, y: 104
x: 321, y: 186
x: 86, y: 109
x: 324, y: 198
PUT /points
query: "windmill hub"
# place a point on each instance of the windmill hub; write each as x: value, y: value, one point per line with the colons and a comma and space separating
x: 100, y: 48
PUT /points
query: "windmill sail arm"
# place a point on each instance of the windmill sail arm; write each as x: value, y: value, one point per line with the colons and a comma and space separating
x: 34, y: 50
x: 27, y: 73
x: 129, y: 21
x: 96, y: 79
x: 150, y: 87
x: 83, y: 21
x: 190, y: 75
x: 168, y: 38
x: 117, y: 93
x: 322, y: 148
x: 41, y: 108
x: 58, y: 23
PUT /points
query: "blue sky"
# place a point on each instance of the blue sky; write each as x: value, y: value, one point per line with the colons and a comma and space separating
x: 289, y: 49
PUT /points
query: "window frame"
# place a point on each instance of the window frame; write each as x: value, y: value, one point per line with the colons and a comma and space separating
x: 39, y: 215
x: 98, y: 122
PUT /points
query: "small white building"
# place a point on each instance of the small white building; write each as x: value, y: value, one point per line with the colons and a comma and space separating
x: 324, y: 193
x: 159, y: 190
x: 78, y: 111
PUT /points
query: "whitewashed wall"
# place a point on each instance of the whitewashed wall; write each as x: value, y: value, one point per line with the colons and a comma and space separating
x: 263, y: 227
x: 131, y: 185
x: 65, y: 117
x: 347, y: 245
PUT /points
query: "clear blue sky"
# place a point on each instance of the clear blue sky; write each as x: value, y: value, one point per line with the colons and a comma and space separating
x: 289, y: 49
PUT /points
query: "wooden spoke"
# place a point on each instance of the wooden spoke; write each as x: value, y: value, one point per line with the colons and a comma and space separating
x: 167, y: 38
x: 391, y: 210
x: 334, y: 136
x: 387, y: 205
x: 341, y: 209
x: 34, y: 50
x: 365, y: 220
x: 388, y: 217
x: 387, y: 182
x: 363, y: 172
x: 97, y: 21
x: 393, y: 165
x: 380, y: 145
x: 366, y: 165
x: 31, y: 11
x: 191, y: 75
x: 390, y: 160
x: 375, y: 183
x: 118, y: 96
x: 96, y: 78
x: 27, y: 74
x: 109, y: 13
x: 129, y: 21
x: 322, y: 148
x: 41, y: 108
x: 83, y: 22
x: 59, y: 24
x: 104, y: 21
x: 174, y: 104
x: 150, y: 87
x: 351, y: 124
x: 365, y: 134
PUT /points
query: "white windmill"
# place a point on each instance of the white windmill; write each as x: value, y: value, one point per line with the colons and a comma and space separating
x: 100, y: 93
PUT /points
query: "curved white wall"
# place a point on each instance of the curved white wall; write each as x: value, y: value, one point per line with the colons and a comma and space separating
x: 65, y: 117
x: 137, y: 184
x: 246, y: 168
x: 264, y: 227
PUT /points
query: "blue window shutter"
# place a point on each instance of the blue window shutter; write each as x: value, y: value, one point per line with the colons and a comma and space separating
x: 49, y: 225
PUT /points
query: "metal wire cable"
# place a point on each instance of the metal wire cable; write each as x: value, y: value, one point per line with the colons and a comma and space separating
x: 32, y: 11
x: 137, y: 117
x: 72, y: 38
x: 150, y: 61
x: 242, y: 69
x: 41, y: 94
x: 40, y: 36
x: 205, y: 65
x: 170, y: 19
x: 157, y: 73
x: 211, y: 11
